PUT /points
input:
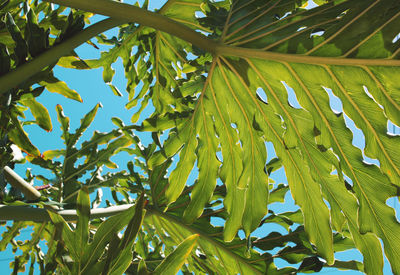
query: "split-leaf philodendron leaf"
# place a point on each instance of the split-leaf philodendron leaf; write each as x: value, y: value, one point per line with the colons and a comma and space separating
x: 225, y: 78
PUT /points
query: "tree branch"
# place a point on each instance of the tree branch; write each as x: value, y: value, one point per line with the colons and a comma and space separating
x: 25, y: 213
x: 157, y: 21
x: 141, y: 16
x: 22, y: 73
x: 16, y: 181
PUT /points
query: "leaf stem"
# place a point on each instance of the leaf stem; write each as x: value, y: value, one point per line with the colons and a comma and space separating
x: 25, y: 213
x: 157, y: 21
x: 141, y: 16
x: 298, y: 58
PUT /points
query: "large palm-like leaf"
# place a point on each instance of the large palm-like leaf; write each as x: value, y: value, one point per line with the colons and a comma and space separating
x: 221, y: 108
x: 272, y: 47
x: 309, y: 140
x: 158, y: 56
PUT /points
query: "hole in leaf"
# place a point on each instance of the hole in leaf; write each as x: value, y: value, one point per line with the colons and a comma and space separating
x: 291, y: 244
x: 200, y: 254
x: 217, y: 204
x: 346, y: 255
x: 175, y: 160
x: 334, y: 153
x: 359, y: 140
x: 216, y: 221
x: 342, y: 14
x: 394, y: 203
x: 199, y: 14
x: 396, y: 38
x: 301, y: 28
x: 392, y: 129
x: 134, y: 50
x: 262, y: 95
x: 327, y: 203
x: 277, y: 17
x: 271, y: 153
x: 219, y: 156
x: 317, y: 32
x: 194, y: 174
x: 334, y: 102
x: 292, y: 98
x: 190, y: 55
x: 310, y: 4
x: 283, y: 124
x: 348, y: 182
x: 164, y: 136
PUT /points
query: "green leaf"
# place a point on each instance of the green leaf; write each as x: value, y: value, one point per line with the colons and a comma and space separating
x: 64, y: 121
x: 21, y: 49
x: 175, y: 260
x: 104, y: 235
x: 114, y: 90
x: 5, y: 60
x: 85, y: 123
x: 307, y: 139
x: 123, y: 258
x: 39, y: 112
x: 51, y: 154
x: 37, y: 37
x: 55, y: 85
x: 67, y: 235
x: 142, y: 269
x: 10, y: 233
x: 265, y: 71
x: 229, y: 258
x: 18, y: 136
x: 72, y: 62
x: 82, y: 226
x: 354, y: 265
x: 278, y: 194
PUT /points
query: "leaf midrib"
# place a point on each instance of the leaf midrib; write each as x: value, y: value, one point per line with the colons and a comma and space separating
x: 372, y: 129
x: 339, y: 147
x: 202, y: 235
x: 319, y: 236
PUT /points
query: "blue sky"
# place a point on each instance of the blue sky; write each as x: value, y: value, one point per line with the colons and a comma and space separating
x: 93, y: 90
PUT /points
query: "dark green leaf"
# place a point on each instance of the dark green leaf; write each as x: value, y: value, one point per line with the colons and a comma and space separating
x: 39, y: 112
x: 175, y: 260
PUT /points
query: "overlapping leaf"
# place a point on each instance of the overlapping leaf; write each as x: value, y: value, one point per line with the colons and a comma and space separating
x: 30, y: 249
x: 223, y: 111
x: 160, y: 63
x: 86, y: 255
x: 226, y: 260
x: 215, y: 255
x: 24, y: 37
x: 68, y: 172
x: 309, y: 141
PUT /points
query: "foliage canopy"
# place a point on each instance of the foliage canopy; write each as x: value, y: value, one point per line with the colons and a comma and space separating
x: 224, y: 78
